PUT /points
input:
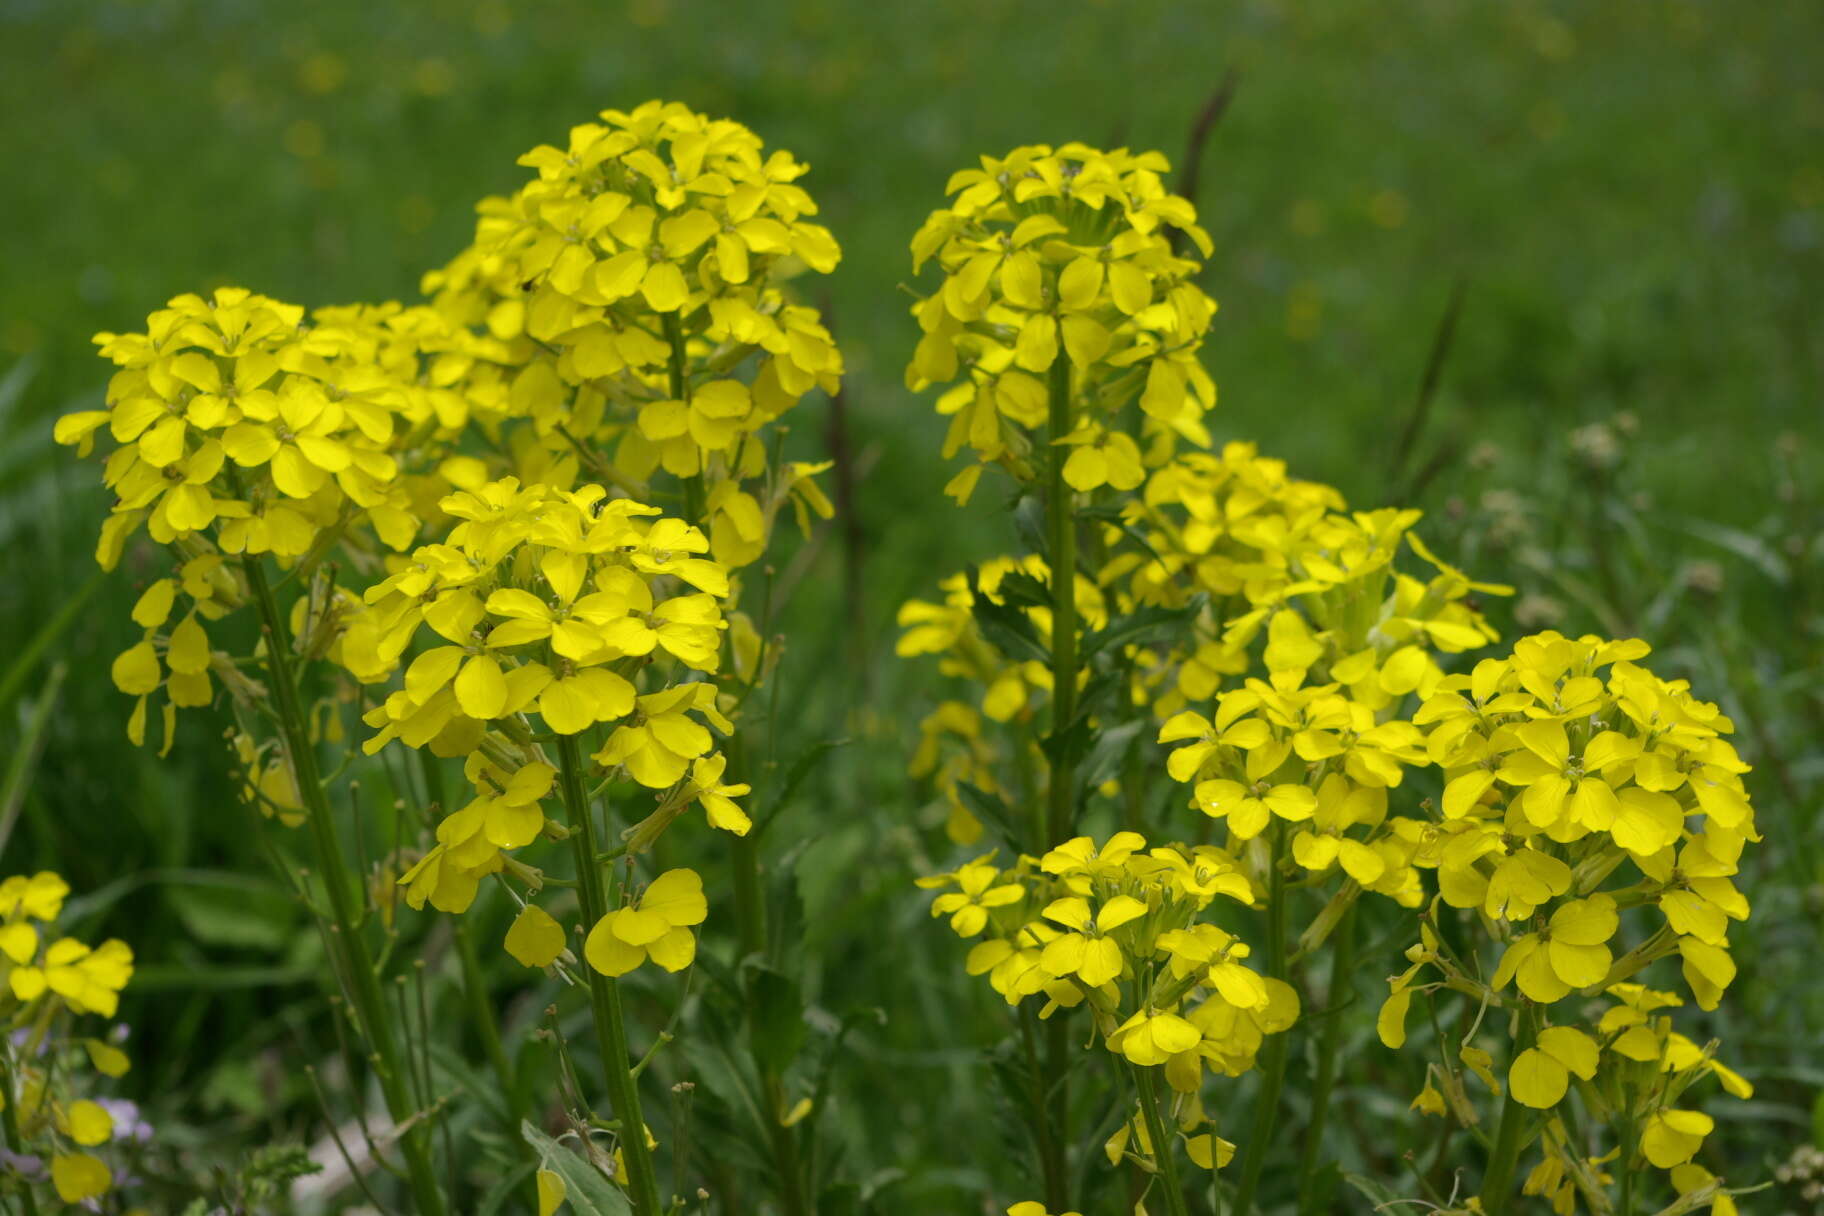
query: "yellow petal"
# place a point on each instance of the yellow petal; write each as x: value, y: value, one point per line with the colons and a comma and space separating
x: 481, y: 689
x: 551, y: 1192
x: 677, y: 896
x: 188, y: 652
x: 1390, y: 1023
x: 607, y: 953
x: 535, y: 938
x: 79, y: 1176
x: 88, y: 1123
x: 675, y: 951
x: 1537, y: 1080
x: 136, y: 670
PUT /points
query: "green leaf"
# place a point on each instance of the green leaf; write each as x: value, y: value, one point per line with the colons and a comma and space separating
x: 1146, y: 626
x: 775, y: 1016
x: 1029, y: 523
x: 26, y: 656
x: 251, y: 919
x: 1109, y: 749
x: 25, y: 754
x: 801, y: 768
x: 587, y: 1190
x: 518, y: 1178
x: 1020, y: 588
x: 1745, y: 545
x: 1376, y: 1191
x: 991, y: 811
x: 1006, y: 628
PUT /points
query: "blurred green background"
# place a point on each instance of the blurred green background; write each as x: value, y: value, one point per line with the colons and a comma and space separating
x: 1626, y: 422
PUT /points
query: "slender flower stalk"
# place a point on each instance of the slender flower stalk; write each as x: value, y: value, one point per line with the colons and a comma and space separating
x: 1323, y: 1085
x: 1163, y: 1142
x: 349, y: 941
x: 9, y: 1106
x: 1059, y: 504
x: 604, y: 993
x: 1273, y: 1066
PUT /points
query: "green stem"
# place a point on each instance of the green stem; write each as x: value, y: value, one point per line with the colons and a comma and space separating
x: 1273, y: 1064
x: 358, y: 965
x: 1504, y: 1157
x: 474, y: 981
x: 1061, y: 519
x: 1164, y: 1159
x: 1052, y: 1167
x: 1627, y: 1171
x: 750, y: 903
x: 1054, y: 823
x: 487, y: 1023
x: 785, y: 1149
x: 1342, y: 961
x: 15, y: 1143
x: 604, y: 993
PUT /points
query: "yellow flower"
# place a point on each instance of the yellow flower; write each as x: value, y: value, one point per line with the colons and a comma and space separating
x: 1670, y: 1136
x: 716, y: 799
x: 39, y: 897
x: 1084, y: 951
x: 968, y: 907
x: 1249, y: 809
x: 656, y: 926
x: 1569, y: 953
x: 658, y: 747
x: 89, y: 980
x: 1150, y: 1037
x: 1541, y: 1074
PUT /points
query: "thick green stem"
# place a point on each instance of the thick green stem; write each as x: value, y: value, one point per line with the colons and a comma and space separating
x: 357, y: 961
x: 1062, y: 522
x: 1273, y: 1054
x: 604, y: 993
x: 15, y: 1143
x: 1164, y: 1158
x: 1342, y: 961
x: 1504, y: 1157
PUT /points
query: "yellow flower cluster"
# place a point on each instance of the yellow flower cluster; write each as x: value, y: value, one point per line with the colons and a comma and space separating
x: 633, y: 302
x: 1584, y: 792
x: 1561, y: 775
x: 49, y: 982
x: 626, y: 315
x: 240, y: 430
x: 562, y: 605
x: 1298, y: 668
x: 1123, y: 930
x: 1064, y: 253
